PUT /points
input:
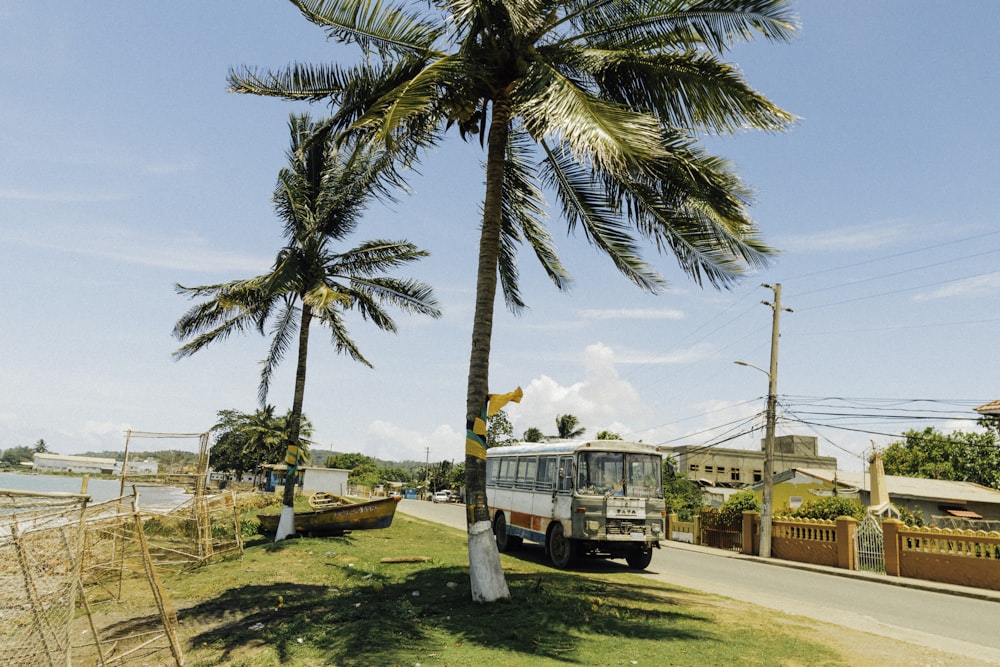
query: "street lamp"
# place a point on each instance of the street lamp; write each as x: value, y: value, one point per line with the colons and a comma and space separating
x: 767, y: 499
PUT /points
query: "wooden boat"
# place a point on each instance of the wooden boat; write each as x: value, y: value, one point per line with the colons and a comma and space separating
x: 336, y: 519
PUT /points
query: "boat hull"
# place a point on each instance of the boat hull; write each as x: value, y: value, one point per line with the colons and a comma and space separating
x: 337, y: 520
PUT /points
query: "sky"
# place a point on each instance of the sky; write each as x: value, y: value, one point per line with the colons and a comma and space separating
x: 126, y: 168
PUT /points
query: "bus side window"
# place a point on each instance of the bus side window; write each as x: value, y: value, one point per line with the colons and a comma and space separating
x: 526, y: 467
x: 507, y: 469
x: 492, y: 469
x: 545, y: 481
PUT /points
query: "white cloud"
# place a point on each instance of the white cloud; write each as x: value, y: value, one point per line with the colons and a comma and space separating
x: 602, y: 400
x: 986, y: 284
x: 180, y: 252
x: 866, y: 237
x: 632, y: 314
x: 55, y: 196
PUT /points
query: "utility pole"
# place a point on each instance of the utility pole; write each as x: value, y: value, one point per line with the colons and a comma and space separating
x: 767, y: 502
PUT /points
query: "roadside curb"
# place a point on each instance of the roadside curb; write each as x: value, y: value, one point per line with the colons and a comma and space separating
x: 904, y: 582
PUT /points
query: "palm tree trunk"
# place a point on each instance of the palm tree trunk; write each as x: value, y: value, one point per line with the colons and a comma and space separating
x: 286, y: 524
x: 486, y: 575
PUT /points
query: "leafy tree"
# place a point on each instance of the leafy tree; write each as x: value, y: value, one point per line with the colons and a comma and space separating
x: 41, y: 447
x: 608, y: 435
x: 568, y: 427
x: 320, y: 197
x: 244, y: 441
x: 348, y: 461
x: 601, y: 103
x: 499, y: 432
x: 14, y: 455
x: 683, y: 497
x: 960, y: 456
x: 533, y: 434
x: 731, y: 512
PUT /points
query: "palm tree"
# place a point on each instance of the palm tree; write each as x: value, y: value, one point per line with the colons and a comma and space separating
x: 600, y: 102
x: 566, y: 427
x: 320, y: 197
x: 533, y: 434
x: 244, y: 441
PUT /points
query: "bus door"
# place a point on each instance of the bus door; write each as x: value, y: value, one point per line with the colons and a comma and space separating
x: 562, y: 498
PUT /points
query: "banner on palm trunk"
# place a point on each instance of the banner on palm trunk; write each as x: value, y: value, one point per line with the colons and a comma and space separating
x: 292, y: 458
x: 475, y: 433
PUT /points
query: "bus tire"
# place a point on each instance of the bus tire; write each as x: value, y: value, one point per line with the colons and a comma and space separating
x: 505, y: 541
x: 562, y: 550
x: 639, y: 558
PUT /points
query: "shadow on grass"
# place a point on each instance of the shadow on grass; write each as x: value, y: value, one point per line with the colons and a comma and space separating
x: 382, y: 620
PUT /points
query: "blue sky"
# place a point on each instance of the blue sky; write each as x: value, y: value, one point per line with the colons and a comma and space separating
x: 126, y: 167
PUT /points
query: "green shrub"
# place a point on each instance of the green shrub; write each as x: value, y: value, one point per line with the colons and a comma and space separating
x: 731, y: 512
x: 825, y: 508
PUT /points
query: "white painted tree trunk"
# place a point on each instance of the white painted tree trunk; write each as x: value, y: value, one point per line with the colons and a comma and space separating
x: 286, y: 524
x: 485, y: 572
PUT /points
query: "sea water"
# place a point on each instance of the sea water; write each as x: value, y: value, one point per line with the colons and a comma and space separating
x: 99, y: 490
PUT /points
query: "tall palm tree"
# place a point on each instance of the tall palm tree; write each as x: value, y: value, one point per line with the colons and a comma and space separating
x: 320, y: 197
x: 600, y: 102
x: 568, y: 427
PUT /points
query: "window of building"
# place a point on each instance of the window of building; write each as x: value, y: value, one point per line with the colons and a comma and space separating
x: 734, y: 474
x: 709, y: 469
x: 758, y: 475
x: 693, y: 467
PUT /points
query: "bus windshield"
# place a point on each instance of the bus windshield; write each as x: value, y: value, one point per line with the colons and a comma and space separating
x: 619, y: 474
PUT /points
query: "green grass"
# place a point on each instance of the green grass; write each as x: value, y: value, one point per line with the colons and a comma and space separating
x: 332, y: 601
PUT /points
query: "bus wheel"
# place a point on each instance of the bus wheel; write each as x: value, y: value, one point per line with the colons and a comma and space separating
x: 562, y: 550
x: 505, y: 541
x: 639, y: 558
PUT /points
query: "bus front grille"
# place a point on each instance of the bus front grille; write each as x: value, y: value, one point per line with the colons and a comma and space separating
x: 625, y: 527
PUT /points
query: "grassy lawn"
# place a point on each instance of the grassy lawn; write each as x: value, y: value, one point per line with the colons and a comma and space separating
x: 339, y: 601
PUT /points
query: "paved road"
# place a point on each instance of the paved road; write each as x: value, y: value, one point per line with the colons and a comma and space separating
x: 958, y: 620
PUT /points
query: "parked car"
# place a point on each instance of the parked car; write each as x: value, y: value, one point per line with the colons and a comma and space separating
x: 442, y: 496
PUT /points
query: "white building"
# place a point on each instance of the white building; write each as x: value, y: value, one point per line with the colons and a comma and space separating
x: 61, y: 463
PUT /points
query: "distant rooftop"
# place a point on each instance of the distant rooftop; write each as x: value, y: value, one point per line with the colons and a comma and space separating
x: 913, y: 487
x: 991, y: 408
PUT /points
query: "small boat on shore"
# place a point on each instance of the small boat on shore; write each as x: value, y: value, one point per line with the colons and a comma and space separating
x: 338, y: 518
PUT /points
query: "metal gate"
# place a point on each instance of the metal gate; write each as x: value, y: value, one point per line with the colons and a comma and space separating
x: 869, y: 545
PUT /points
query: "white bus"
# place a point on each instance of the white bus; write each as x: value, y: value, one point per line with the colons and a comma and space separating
x: 600, y: 498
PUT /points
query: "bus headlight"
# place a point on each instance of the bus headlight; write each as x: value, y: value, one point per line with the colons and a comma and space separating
x: 593, y: 526
x: 656, y: 527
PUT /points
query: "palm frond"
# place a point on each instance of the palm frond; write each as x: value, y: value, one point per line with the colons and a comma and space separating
x: 715, y: 25
x: 373, y: 24
x: 282, y: 336
x: 684, y: 89
x: 313, y: 83
x: 523, y: 219
x: 584, y: 201
x: 612, y: 136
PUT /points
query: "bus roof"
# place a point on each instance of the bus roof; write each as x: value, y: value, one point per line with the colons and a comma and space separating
x: 570, y: 446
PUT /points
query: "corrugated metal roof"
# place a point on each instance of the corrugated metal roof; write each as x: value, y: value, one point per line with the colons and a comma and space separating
x: 90, y: 460
x: 913, y: 487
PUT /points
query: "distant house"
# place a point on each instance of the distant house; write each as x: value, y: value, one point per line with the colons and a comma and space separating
x: 60, y: 463
x: 91, y: 465
x: 945, y: 503
x: 331, y: 480
x: 989, y: 409
x: 310, y: 480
